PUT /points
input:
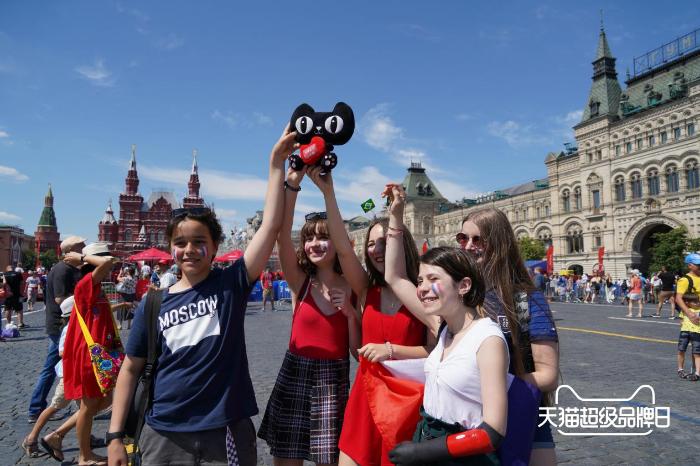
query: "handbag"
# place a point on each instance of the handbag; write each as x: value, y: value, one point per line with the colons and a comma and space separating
x: 143, y: 393
x: 105, y: 362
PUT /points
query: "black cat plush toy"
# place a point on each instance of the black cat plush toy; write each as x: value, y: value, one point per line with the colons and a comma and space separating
x: 318, y: 133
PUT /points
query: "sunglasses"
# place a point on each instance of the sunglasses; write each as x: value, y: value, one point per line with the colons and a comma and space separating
x: 464, y: 239
x: 315, y: 216
x: 181, y: 212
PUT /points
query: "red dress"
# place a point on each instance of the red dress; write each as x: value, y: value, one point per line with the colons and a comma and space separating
x: 78, y: 377
x: 360, y: 438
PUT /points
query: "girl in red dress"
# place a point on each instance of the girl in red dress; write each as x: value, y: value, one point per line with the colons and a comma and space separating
x: 78, y: 376
x: 389, y: 331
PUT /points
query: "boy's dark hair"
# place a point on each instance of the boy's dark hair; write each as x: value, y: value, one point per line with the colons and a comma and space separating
x: 310, y: 228
x: 459, y: 264
x: 204, y: 216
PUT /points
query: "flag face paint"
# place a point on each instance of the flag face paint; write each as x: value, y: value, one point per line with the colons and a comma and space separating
x: 323, y: 245
x: 178, y: 254
x: 436, y: 289
x: 204, y: 251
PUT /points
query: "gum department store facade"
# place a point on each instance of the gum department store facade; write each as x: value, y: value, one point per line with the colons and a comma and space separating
x: 633, y: 173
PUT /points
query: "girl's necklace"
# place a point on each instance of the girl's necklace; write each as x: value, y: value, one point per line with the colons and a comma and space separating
x: 463, y: 329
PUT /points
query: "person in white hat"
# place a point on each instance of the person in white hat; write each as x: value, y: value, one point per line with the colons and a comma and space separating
x: 52, y: 443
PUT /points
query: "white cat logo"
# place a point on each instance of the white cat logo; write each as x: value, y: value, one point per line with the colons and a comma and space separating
x: 605, y: 414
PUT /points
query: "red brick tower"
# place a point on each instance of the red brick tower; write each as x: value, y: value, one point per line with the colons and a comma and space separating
x: 108, y: 227
x: 46, y: 235
x: 130, y: 203
x: 192, y: 199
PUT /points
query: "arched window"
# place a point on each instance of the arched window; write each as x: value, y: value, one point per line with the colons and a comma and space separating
x: 574, y: 239
x: 672, y: 179
x: 692, y: 175
x: 566, y: 200
x: 525, y: 209
x: 127, y: 235
x: 546, y: 210
x: 577, y: 198
x: 636, y: 186
x: 597, y: 237
x: 161, y: 237
x: 521, y: 234
x: 620, y: 189
x: 653, y: 184
x: 538, y: 212
x: 545, y: 235
x: 426, y: 225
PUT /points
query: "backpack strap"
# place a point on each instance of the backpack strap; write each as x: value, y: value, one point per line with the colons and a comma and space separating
x: 691, y: 284
x: 154, y: 298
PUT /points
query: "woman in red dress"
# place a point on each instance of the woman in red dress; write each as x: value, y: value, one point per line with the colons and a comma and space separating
x: 78, y: 376
x: 389, y: 331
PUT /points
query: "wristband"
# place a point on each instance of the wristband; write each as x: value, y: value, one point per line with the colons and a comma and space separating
x: 390, y: 348
x: 291, y: 188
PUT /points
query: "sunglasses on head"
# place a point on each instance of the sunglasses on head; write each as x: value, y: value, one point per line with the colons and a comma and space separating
x: 315, y: 216
x: 464, y: 239
x: 181, y: 212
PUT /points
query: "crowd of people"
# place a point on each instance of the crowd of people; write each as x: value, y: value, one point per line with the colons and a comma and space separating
x: 457, y: 347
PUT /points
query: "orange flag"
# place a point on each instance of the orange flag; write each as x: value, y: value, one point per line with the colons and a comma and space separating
x: 394, y: 403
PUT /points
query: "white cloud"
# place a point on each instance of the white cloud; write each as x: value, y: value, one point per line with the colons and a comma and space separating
x: 360, y: 185
x: 170, y: 42
x: 379, y: 130
x: 215, y: 184
x: 8, y: 217
x: 97, y: 74
x: 4, y: 134
x: 235, y: 120
x: 12, y: 173
x: 454, y: 191
x: 516, y: 134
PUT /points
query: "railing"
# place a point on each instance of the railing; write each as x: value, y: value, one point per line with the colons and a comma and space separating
x: 667, y: 52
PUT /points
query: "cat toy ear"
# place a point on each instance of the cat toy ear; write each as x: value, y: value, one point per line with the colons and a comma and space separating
x: 302, y: 123
x: 344, y: 111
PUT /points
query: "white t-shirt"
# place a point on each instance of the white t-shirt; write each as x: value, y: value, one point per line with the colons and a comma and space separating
x: 61, y: 344
x: 167, y: 280
x: 453, y: 386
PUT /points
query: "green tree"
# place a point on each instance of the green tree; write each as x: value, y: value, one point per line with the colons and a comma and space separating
x: 670, y: 248
x: 531, y: 249
x: 28, y: 259
x: 48, y: 258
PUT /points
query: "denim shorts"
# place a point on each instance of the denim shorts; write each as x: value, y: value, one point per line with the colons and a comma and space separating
x: 686, y: 337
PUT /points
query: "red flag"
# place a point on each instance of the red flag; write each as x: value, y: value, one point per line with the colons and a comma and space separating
x: 426, y: 246
x: 550, y: 259
x: 601, y: 253
x: 394, y: 403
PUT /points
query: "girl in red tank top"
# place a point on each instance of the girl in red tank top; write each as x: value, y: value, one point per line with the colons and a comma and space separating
x: 389, y: 331
x: 304, y: 414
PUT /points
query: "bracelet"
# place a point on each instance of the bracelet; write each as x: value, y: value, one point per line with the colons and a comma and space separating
x: 291, y: 188
x: 400, y: 230
x: 390, y: 348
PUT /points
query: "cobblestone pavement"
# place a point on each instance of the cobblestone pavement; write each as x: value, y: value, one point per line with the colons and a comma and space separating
x: 596, y: 365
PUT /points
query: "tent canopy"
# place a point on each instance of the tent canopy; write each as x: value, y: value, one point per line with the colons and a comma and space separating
x: 151, y: 254
x: 230, y: 256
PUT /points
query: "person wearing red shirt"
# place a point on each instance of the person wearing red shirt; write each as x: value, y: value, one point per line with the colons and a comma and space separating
x: 266, y: 280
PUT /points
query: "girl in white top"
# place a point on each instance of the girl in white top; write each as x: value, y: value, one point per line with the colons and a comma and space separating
x: 466, y: 373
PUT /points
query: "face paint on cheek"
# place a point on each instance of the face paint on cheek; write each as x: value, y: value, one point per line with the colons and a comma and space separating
x: 436, y: 289
x: 323, y: 245
x: 204, y: 251
x: 178, y: 254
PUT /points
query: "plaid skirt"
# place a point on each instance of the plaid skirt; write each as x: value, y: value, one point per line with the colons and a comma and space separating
x: 304, y: 415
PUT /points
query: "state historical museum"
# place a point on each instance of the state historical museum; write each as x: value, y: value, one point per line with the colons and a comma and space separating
x: 142, y: 223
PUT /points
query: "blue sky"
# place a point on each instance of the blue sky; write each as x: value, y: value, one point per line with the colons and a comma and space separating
x: 479, y: 93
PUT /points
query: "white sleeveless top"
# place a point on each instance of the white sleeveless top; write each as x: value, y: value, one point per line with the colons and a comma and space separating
x: 453, y: 386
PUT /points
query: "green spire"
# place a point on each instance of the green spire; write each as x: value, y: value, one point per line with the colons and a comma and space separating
x: 48, y: 216
x: 604, y: 96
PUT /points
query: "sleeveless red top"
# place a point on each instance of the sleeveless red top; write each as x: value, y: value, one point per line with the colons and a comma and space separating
x: 360, y: 439
x: 316, y: 335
